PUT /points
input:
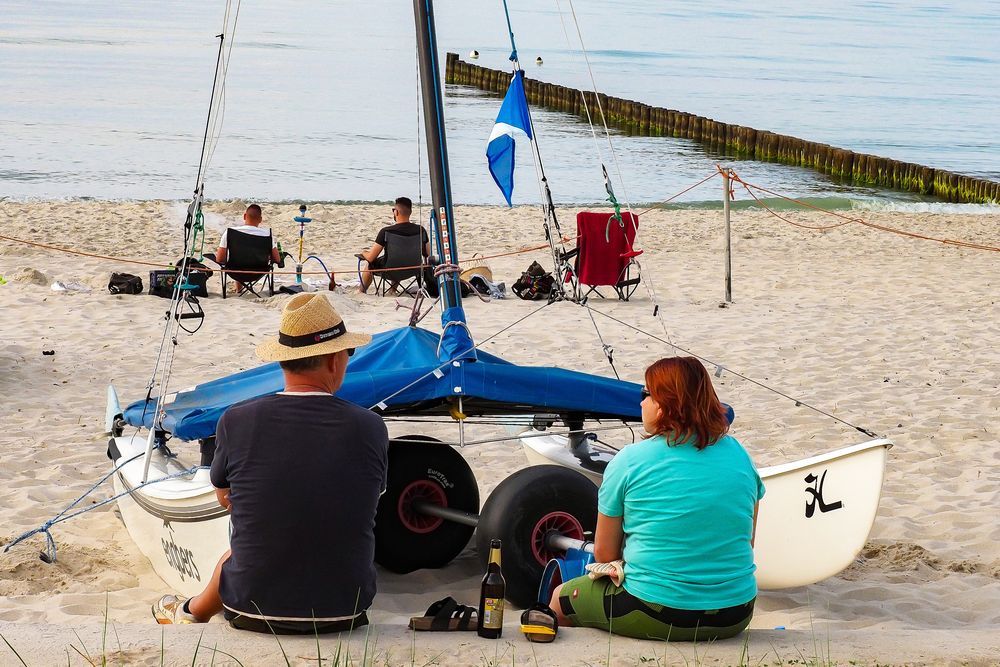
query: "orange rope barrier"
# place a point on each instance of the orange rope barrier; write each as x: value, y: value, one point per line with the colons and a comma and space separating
x: 83, y: 254
x: 685, y: 190
x: 125, y: 260
x: 791, y: 222
x: 849, y: 219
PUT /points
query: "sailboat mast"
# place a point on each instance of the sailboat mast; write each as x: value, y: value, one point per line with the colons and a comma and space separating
x: 456, y: 342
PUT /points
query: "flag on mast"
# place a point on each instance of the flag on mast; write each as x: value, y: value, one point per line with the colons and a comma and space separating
x: 513, y: 117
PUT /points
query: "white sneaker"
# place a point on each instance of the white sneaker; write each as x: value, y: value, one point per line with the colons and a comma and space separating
x: 169, y: 610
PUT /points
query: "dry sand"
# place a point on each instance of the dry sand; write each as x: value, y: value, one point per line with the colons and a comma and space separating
x: 897, y: 335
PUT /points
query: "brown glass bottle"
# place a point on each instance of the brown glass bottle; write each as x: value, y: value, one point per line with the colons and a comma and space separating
x: 491, y: 596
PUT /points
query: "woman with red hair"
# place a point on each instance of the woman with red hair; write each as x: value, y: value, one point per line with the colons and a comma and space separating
x: 680, y: 509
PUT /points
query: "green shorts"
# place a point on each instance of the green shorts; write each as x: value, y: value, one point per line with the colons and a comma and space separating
x: 598, y: 603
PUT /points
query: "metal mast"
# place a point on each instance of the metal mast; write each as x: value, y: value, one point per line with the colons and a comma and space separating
x: 456, y: 341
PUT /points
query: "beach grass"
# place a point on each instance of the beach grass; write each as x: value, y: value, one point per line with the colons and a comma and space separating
x: 339, y: 655
x: 504, y: 652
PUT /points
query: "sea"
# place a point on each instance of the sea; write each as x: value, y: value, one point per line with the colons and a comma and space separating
x: 107, y: 99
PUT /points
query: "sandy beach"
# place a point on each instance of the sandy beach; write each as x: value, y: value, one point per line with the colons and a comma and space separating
x: 894, y: 334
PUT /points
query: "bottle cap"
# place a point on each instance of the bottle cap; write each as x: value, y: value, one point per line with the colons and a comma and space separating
x: 494, y: 544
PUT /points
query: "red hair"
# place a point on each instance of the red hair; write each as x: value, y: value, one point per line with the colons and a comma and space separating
x: 682, y: 389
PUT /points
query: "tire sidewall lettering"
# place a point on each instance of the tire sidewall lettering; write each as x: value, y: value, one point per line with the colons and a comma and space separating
x: 440, y: 478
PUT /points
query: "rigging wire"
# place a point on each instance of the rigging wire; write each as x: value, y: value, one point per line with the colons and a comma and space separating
x: 422, y: 293
x: 560, y: 263
x: 550, y: 220
x: 720, y: 367
x: 221, y: 113
x: 420, y: 158
x: 607, y: 132
x: 162, y: 371
x: 647, y: 283
x: 583, y: 96
x: 457, y: 356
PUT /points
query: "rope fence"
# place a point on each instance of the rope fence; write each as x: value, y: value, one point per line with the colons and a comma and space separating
x: 166, y: 265
x: 750, y: 188
x: 847, y: 219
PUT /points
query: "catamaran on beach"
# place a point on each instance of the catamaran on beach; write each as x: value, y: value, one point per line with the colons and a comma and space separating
x: 821, y: 501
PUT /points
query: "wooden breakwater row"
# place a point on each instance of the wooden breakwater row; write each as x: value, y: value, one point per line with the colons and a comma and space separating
x: 743, y: 142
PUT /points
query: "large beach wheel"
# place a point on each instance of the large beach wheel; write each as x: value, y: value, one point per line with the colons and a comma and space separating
x: 522, y: 511
x: 432, y: 472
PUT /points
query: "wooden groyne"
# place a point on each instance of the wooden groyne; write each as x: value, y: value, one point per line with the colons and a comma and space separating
x: 742, y: 142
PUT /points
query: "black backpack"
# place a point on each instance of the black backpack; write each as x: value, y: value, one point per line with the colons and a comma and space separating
x: 534, y: 284
x: 125, y: 283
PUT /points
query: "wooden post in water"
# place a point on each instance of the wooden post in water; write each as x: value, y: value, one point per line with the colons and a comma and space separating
x: 745, y: 142
x: 729, y: 244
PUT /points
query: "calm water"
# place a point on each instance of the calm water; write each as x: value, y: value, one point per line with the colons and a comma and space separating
x: 107, y: 99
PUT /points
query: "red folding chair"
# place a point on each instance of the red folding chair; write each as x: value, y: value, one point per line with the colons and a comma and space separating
x: 605, y: 253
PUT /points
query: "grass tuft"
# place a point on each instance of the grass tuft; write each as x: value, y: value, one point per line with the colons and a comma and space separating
x: 18, y: 655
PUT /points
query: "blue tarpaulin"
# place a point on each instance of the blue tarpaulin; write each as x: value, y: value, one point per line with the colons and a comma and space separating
x: 397, y: 370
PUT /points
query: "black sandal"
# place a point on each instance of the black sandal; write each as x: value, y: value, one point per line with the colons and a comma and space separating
x: 446, y: 615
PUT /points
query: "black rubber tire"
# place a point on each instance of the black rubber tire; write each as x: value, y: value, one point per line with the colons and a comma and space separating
x: 397, y: 547
x: 514, y: 509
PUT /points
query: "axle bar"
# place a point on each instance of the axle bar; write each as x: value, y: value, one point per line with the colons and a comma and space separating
x: 447, y: 513
x: 554, y: 540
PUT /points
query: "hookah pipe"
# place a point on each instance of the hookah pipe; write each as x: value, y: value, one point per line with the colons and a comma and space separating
x: 302, y: 220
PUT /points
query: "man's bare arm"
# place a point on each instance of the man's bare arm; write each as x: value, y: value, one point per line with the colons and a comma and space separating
x: 372, y: 253
x: 223, y: 496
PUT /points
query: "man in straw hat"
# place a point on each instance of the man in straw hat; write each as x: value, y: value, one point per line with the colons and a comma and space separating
x: 301, y: 472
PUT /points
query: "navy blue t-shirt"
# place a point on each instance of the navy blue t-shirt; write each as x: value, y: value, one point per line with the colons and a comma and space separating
x: 305, y: 472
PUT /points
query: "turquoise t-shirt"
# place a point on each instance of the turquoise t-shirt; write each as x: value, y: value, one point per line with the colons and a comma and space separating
x: 687, y: 518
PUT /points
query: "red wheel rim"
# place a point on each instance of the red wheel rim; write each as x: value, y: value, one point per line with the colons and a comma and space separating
x: 561, y: 522
x: 420, y: 490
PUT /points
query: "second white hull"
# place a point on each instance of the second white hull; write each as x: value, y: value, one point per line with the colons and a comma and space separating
x: 814, y: 518
x: 178, y: 524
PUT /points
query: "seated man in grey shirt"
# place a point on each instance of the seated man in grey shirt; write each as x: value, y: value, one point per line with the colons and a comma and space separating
x: 301, y: 472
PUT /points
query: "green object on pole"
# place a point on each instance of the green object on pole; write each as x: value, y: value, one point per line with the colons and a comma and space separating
x: 199, y: 231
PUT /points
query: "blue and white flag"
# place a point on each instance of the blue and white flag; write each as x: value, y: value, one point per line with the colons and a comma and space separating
x: 513, y: 117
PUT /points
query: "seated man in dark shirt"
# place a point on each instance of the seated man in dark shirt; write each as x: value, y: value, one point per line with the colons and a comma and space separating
x: 301, y: 473
x: 401, y: 212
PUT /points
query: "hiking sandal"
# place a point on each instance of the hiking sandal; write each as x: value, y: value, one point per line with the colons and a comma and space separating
x: 446, y: 615
x: 539, y: 623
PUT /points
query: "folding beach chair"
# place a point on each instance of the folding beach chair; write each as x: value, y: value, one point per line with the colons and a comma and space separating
x: 399, y: 265
x: 604, y: 253
x: 248, y: 253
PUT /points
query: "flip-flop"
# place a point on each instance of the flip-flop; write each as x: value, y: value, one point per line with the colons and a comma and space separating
x: 539, y: 623
x: 446, y: 615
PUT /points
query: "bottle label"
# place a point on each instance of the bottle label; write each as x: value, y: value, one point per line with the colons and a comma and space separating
x: 493, y: 612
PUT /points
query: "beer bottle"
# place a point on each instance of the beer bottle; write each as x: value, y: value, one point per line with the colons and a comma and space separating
x: 491, y: 596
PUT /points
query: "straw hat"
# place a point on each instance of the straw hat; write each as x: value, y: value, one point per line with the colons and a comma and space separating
x: 309, y: 327
x: 482, y: 270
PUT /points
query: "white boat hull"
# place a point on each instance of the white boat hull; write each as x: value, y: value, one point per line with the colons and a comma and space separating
x: 814, y: 519
x: 178, y: 524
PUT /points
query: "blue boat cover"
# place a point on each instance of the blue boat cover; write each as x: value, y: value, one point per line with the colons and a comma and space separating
x: 400, y: 372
